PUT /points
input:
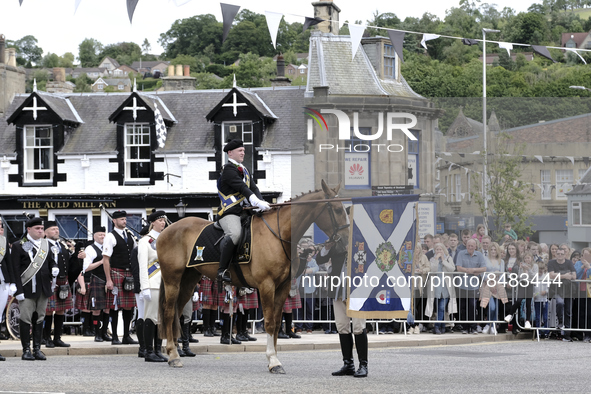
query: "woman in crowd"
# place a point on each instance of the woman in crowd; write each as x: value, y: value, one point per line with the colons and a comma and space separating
x: 492, y: 288
x: 552, y: 254
x: 440, y: 290
x: 512, y: 258
x: 522, y: 246
x: 150, y: 278
x: 527, y: 269
x: 567, y: 251
x: 543, y: 250
x: 480, y: 232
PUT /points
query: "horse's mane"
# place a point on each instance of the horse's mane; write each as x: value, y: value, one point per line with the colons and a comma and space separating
x: 301, y: 196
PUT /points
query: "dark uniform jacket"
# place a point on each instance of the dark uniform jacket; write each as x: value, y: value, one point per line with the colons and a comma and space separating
x: 338, y: 260
x: 231, y: 182
x: 67, y: 262
x: 20, y: 260
x: 5, y: 265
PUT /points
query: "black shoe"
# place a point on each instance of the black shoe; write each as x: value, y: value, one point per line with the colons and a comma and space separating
x: 115, y: 340
x: 107, y: 338
x: 215, y: 333
x: 282, y: 335
x: 188, y: 352
x: 292, y: 334
x: 98, y: 339
x: 208, y: 333
x: 180, y: 351
x: 38, y: 354
x: 129, y: 341
x: 151, y: 357
x: 88, y: 332
x: 241, y: 337
x: 362, y: 371
x: 141, y: 353
x: 2, y: 358
x: 59, y: 343
x: 49, y: 344
x: 27, y: 355
x: 193, y: 339
x: 348, y: 369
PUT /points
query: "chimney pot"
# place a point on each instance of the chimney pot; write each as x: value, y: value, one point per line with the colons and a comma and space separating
x: 171, y: 70
x: 179, y: 70
x: 280, y: 66
x: 187, y: 71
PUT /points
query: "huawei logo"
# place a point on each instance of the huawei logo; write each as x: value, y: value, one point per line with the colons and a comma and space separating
x: 356, y: 168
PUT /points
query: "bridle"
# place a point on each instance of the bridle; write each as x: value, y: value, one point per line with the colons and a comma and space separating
x: 335, y: 237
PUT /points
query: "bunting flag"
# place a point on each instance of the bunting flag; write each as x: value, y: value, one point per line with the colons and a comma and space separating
x: 273, y: 20
x: 573, y: 50
x: 229, y: 12
x: 381, y: 253
x: 506, y: 45
x: 428, y: 37
x: 542, y: 51
x: 131, y: 4
x: 539, y: 158
x: 397, y: 39
x: 309, y: 22
x: 20, y: 2
x: 356, y: 34
x: 160, y: 127
x: 76, y: 4
x: 571, y: 158
x: 469, y: 41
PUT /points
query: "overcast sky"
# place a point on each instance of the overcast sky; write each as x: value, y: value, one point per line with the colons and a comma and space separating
x: 59, y: 30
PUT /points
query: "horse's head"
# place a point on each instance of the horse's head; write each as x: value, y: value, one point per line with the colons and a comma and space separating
x: 333, y: 219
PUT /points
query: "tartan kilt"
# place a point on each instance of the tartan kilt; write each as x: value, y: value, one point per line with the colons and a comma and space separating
x: 196, y: 305
x: 209, y: 292
x: 55, y: 304
x: 222, y: 297
x: 96, y: 290
x: 125, y: 299
x: 292, y: 302
x: 249, y: 301
x: 82, y: 300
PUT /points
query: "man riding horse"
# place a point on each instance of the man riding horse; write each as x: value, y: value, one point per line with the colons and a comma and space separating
x: 235, y: 188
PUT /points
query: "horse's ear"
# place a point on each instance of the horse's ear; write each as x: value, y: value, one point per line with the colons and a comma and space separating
x: 326, y: 189
x: 336, y: 189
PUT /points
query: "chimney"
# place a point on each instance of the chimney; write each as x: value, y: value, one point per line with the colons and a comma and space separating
x: 2, y: 45
x: 187, y: 71
x: 11, y: 61
x: 178, y: 78
x: 171, y: 71
x: 59, y: 74
x: 281, y: 80
x: 328, y: 11
x: 179, y: 70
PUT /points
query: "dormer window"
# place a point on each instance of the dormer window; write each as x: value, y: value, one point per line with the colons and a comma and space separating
x: 389, y: 62
x: 137, y: 152
x: 243, y: 131
x: 38, y: 154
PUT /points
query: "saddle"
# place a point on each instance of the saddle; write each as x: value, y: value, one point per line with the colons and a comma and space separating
x: 206, y: 249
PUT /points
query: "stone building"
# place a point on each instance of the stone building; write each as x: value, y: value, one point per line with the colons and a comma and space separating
x: 12, y: 78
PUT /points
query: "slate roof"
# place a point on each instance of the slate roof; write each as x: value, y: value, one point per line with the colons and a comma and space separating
x: 190, y: 132
x: 330, y: 65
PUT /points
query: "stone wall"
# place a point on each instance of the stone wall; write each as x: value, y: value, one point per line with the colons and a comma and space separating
x: 12, y: 81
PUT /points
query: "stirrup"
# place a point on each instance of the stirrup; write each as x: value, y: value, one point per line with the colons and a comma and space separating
x: 223, y: 279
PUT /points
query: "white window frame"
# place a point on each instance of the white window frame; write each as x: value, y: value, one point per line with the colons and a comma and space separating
x: 447, y: 190
x: 468, y: 184
x: 29, y: 153
x: 458, y: 187
x: 546, y: 192
x: 77, y: 212
x: 578, y: 213
x: 145, y: 129
x: 389, y: 55
x: 562, y: 177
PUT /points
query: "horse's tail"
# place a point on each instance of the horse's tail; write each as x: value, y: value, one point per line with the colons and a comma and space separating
x: 163, y: 328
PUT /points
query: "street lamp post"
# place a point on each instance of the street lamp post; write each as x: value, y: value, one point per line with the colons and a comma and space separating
x: 484, y: 173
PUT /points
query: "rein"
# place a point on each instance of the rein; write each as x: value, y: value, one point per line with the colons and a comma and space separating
x: 278, y: 236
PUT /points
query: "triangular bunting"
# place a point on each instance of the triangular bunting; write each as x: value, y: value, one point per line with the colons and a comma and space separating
x: 309, y: 22
x: 428, y: 37
x: 571, y: 158
x: 273, y: 20
x: 506, y: 45
x: 229, y: 12
x: 76, y: 4
x: 576, y: 53
x: 356, y: 34
x: 539, y: 158
x: 542, y: 51
x: 20, y: 2
x: 397, y: 38
x: 469, y: 41
x: 131, y: 4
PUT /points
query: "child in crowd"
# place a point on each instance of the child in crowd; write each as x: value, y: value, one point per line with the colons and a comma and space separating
x: 510, y: 232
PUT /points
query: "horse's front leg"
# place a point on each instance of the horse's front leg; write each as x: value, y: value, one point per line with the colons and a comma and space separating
x: 171, y: 322
x: 267, y: 293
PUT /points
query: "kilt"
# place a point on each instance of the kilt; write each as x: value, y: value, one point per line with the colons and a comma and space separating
x: 196, y: 305
x: 55, y: 304
x: 249, y: 301
x: 222, y: 297
x: 292, y: 302
x: 96, y: 291
x: 82, y: 300
x: 209, y: 291
x: 125, y: 299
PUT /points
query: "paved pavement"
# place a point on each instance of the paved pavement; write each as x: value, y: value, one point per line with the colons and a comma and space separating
x: 84, y: 346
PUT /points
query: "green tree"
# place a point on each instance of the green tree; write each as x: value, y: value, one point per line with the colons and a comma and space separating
x: 50, y: 60
x: 508, y: 195
x: 83, y: 83
x: 88, y: 52
x: 191, y: 36
x: 28, y: 51
x: 185, y: 60
x: 146, y: 47
x: 123, y: 52
x: 67, y: 60
x: 252, y: 71
x: 206, y: 81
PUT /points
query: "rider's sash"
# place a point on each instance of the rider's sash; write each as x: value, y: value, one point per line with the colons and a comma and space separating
x: 153, y: 268
x: 228, y: 201
x: 37, y: 262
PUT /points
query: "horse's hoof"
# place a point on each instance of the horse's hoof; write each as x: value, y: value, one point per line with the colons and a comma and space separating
x: 278, y: 369
x: 175, y: 363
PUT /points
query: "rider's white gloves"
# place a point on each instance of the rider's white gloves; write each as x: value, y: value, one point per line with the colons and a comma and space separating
x: 261, y: 204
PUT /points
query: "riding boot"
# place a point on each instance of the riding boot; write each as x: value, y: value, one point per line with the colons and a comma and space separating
x: 213, y: 315
x: 139, y: 331
x: 361, y: 345
x: 96, y: 329
x: 114, y: 323
x: 226, y: 254
x: 57, y: 331
x: 105, y: 327
x: 185, y: 333
x: 240, y: 318
x: 87, y: 321
x: 348, y: 368
x: 288, y: 328
x: 37, y: 334
x: 149, y: 331
x: 206, y: 323
x: 46, y: 340
x: 282, y: 334
x: 226, y: 334
x: 179, y: 350
x: 244, y: 327
x: 127, y: 317
x: 25, y: 331
x: 158, y: 345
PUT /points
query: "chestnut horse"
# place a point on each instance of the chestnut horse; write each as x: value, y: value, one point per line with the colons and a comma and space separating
x: 269, y: 269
